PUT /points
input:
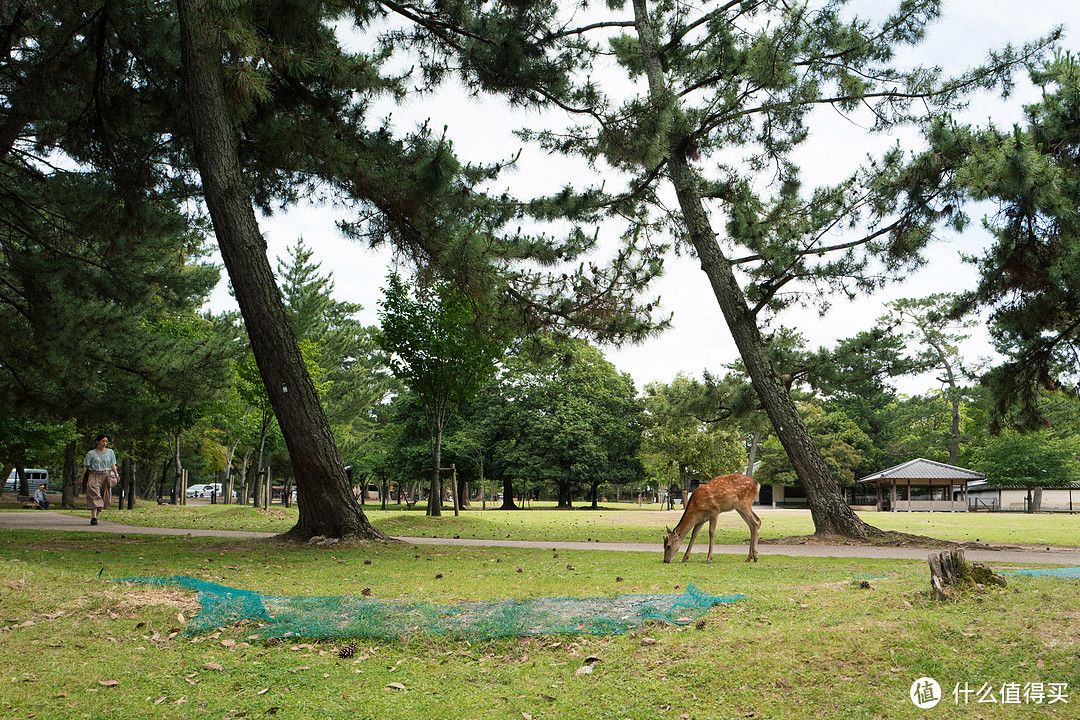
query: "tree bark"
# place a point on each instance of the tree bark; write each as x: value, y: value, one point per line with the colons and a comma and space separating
x: 752, y: 458
x: 508, y: 495
x: 67, y: 493
x: 434, y: 508
x: 326, y: 503
x: 831, y: 514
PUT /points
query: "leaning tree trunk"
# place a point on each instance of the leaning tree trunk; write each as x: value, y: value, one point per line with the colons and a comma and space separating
x: 831, y: 514
x: 327, y: 506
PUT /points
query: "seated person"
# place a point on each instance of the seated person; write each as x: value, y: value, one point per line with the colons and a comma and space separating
x: 40, y: 500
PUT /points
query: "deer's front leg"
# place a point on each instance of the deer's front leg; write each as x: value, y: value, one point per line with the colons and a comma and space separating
x: 693, y: 536
x: 712, y: 533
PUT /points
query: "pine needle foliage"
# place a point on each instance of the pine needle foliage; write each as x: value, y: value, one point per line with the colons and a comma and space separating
x: 1030, y: 274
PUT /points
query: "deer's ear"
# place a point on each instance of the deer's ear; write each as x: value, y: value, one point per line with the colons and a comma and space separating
x: 667, y: 529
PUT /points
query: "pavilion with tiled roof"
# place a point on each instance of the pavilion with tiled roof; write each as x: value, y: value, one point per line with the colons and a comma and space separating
x: 923, y: 485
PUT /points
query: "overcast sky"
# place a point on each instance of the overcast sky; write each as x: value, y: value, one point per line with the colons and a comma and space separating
x: 699, y: 339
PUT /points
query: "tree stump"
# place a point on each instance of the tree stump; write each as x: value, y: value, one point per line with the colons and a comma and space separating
x: 951, y: 573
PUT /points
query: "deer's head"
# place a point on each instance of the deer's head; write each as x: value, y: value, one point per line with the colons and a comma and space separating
x: 671, y: 544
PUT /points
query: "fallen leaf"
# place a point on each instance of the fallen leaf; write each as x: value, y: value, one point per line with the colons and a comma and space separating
x: 180, y: 617
x: 108, y: 683
x: 263, y: 691
x: 584, y: 670
x: 395, y: 686
x: 212, y: 666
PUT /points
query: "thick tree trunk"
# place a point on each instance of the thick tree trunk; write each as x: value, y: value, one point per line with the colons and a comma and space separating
x: 326, y: 505
x: 831, y: 514
x: 508, y: 495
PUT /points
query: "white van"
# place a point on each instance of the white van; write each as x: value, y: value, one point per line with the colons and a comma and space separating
x: 34, y: 477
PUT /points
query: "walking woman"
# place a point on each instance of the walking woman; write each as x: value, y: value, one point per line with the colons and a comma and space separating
x: 99, y: 475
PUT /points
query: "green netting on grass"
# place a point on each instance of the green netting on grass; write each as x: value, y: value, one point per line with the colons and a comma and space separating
x: 343, y: 616
x: 1073, y: 572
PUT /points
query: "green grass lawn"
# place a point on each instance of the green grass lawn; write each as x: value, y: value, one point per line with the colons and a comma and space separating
x: 614, y: 523
x: 808, y: 641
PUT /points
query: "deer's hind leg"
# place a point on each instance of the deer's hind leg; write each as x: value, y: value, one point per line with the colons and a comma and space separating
x: 754, y: 523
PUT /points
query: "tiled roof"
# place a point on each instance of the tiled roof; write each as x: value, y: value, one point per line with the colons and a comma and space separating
x: 922, y: 469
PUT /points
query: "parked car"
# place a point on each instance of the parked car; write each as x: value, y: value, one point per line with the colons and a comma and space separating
x: 198, y: 491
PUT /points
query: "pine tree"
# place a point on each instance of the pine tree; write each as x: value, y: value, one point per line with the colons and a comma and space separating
x: 732, y: 86
x: 1030, y: 274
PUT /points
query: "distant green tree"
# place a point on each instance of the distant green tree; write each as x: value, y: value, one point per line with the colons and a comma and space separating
x: 1032, y: 460
x: 26, y: 443
x: 926, y: 322
x: 354, y: 375
x: 567, y: 418
x: 687, y: 425
x: 439, y: 347
x: 848, y: 451
x: 919, y: 426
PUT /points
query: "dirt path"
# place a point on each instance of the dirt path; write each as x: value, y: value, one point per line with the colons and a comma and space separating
x: 1012, y: 555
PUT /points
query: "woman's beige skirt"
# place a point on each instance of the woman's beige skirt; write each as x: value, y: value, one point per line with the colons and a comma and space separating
x: 98, y: 492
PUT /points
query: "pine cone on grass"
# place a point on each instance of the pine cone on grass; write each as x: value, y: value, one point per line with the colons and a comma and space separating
x: 347, y: 652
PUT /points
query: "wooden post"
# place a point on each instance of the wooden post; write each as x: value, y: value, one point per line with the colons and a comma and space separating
x: 457, y: 493
x: 453, y: 479
x: 266, y: 491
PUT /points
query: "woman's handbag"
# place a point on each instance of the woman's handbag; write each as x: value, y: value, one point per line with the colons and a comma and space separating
x: 113, y: 479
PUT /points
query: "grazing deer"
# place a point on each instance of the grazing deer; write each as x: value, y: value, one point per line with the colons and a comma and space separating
x: 719, y: 495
